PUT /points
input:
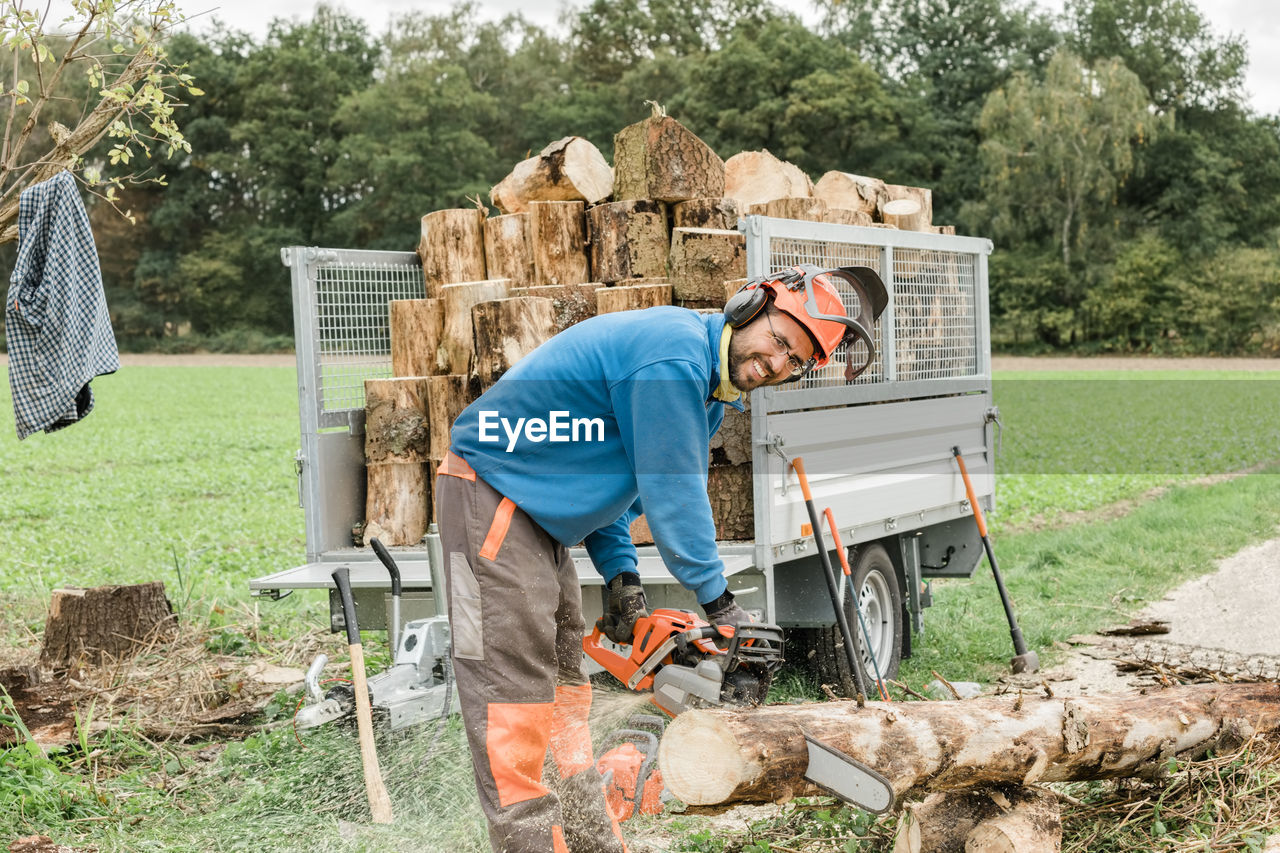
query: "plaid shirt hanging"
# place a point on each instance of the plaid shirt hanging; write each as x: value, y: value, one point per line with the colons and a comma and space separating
x: 56, y: 323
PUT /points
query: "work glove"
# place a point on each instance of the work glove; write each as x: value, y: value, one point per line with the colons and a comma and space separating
x: 626, y: 605
x: 724, y: 612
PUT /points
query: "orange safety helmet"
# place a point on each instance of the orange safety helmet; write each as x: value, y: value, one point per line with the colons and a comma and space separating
x: 809, y: 295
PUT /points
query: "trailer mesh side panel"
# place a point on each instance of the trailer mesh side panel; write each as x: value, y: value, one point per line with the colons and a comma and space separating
x: 352, y: 334
x: 935, y: 321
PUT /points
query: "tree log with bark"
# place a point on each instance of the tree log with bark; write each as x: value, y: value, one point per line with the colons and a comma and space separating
x: 507, y: 253
x: 633, y: 297
x: 659, y: 158
x: 458, y: 343
x: 702, y: 260
x: 909, y: 208
x: 395, y: 421
x: 726, y: 756
x: 804, y: 208
x: 506, y: 330
x: 571, y: 303
x: 852, y: 192
x: 569, y: 169
x: 417, y: 328
x: 558, y: 240
x: 628, y: 240
x: 718, y: 213
x: 451, y: 248
x: 447, y: 396
x: 1003, y: 819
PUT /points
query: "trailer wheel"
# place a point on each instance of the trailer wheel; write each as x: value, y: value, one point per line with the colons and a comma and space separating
x: 881, y: 600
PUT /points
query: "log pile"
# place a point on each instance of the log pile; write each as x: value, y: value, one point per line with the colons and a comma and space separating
x: 574, y: 237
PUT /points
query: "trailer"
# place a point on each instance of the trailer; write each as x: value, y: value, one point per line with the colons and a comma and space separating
x: 878, y: 450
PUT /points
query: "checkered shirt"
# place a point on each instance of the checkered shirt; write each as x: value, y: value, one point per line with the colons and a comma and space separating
x: 56, y: 323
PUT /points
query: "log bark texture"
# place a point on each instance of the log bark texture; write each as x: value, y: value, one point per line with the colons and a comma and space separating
x: 507, y: 253
x: 659, y: 158
x: 628, y: 240
x: 395, y: 420
x: 702, y: 260
x: 558, y: 239
x: 451, y: 248
x: 447, y: 396
x: 571, y: 303
x: 632, y: 297
x: 397, y: 502
x: 759, y: 755
x: 732, y: 501
x: 804, y: 208
x: 845, y: 216
x: 852, y: 192
x: 919, y: 220
x: 106, y: 622
x: 417, y: 328
x: 731, y: 445
x: 506, y: 330
x: 458, y: 342
x: 569, y: 169
x: 718, y: 213
x: 1008, y: 819
x: 755, y: 177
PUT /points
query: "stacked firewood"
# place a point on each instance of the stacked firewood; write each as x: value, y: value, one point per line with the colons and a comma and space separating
x: 575, y: 238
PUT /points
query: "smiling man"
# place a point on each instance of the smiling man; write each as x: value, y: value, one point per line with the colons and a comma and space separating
x: 523, y: 483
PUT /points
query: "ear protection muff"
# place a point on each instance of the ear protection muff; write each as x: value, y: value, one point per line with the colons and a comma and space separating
x: 744, y: 305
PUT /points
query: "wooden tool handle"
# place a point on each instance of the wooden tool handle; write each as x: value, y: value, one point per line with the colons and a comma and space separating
x: 379, y: 800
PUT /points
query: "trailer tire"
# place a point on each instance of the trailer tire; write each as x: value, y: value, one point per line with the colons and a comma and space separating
x: 876, y: 580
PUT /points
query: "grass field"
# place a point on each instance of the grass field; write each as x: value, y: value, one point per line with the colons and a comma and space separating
x: 186, y: 475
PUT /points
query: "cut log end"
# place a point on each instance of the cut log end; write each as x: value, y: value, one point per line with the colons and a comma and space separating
x: 702, y: 763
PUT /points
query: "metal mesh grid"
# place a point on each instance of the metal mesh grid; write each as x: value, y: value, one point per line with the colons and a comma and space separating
x: 352, y: 334
x: 935, y: 329
x: 935, y: 319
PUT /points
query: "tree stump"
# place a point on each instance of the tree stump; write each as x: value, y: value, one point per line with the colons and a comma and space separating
x: 571, y: 303
x: 506, y: 330
x: 397, y: 502
x: 507, y: 253
x: 794, y: 207
x: 458, y: 341
x: 447, y: 396
x: 91, y: 625
x: 718, y: 213
x: 754, y: 177
x: 395, y: 421
x: 908, y: 208
x: 852, y: 192
x: 702, y: 260
x: 558, y: 239
x: 417, y: 327
x: 569, y: 169
x: 451, y: 248
x: 658, y: 158
x: 628, y: 240
x: 632, y: 297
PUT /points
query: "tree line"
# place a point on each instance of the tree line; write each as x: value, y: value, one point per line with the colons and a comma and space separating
x: 1109, y: 151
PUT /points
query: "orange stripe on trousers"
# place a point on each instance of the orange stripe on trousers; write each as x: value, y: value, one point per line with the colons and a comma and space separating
x: 516, y: 742
x: 498, y: 530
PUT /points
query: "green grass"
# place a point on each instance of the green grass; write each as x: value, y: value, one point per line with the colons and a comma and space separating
x: 186, y: 475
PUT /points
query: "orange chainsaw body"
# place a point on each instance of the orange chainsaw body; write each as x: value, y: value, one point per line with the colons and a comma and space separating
x: 651, y: 633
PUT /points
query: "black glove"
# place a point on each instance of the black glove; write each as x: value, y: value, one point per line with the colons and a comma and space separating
x: 725, y: 612
x: 626, y: 605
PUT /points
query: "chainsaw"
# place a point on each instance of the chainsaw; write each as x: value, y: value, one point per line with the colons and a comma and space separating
x: 689, y: 663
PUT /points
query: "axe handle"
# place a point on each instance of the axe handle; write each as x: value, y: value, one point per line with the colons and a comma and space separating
x: 379, y: 800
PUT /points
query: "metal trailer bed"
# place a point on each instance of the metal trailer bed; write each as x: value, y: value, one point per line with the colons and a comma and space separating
x: 878, y: 450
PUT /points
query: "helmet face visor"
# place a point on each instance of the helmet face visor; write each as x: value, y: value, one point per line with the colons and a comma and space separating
x: 837, y: 306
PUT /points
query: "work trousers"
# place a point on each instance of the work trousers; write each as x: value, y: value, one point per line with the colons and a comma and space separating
x: 515, y: 613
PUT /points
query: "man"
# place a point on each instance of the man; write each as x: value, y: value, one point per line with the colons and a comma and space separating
x: 610, y: 419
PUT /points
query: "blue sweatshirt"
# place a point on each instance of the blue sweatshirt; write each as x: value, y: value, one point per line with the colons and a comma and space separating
x: 608, y: 420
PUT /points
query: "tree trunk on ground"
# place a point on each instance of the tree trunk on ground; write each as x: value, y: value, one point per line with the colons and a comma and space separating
x: 852, y: 192
x: 659, y: 158
x: 628, y: 240
x: 558, y: 239
x: 458, y: 343
x: 417, y: 327
x: 91, y: 625
x: 447, y: 396
x: 755, y: 177
x: 1005, y: 819
x: 507, y: 253
x: 506, y: 330
x: 898, y: 210
x: 759, y: 755
x: 396, y: 503
x: 395, y: 421
x: 732, y: 501
x: 569, y: 169
x: 702, y: 260
x: 571, y: 303
x: 632, y: 297
x: 451, y: 248
x: 718, y: 213
x: 794, y: 207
